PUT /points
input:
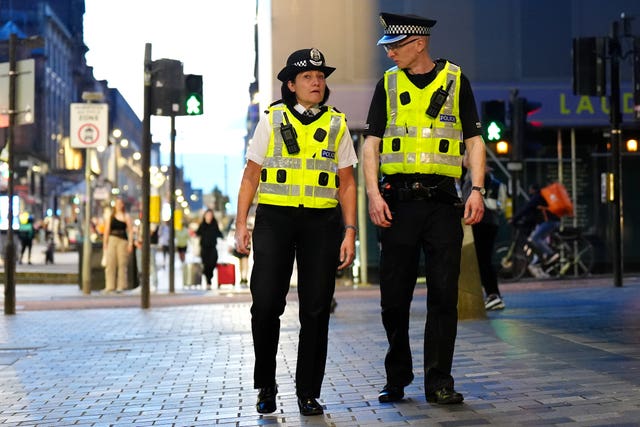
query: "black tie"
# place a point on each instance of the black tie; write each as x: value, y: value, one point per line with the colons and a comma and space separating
x: 308, y: 113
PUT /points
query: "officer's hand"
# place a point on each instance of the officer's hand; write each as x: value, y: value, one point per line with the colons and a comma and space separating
x: 379, y: 211
x: 347, y: 250
x: 242, y: 240
x: 474, y: 208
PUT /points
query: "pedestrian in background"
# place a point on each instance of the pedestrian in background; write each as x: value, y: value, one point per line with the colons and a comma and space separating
x: 421, y: 119
x: 117, y: 245
x: 484, y: 237
x: 163, y: 242
x: 26, y: 233
x: 137, y: 254
x: 300, y: 162
x: 182, y: 241
x: 209, y: 233
x: 243, y: 259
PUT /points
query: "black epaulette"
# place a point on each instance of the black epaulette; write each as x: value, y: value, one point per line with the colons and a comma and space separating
x: 440, y: 63
x: 279, y: 101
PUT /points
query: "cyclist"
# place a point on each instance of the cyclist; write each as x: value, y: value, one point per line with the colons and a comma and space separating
x: 535, y: 213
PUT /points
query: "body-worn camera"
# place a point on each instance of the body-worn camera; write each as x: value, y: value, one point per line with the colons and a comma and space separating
x: 437, y: 100
x: 289, y: 136
x: 389, y: 194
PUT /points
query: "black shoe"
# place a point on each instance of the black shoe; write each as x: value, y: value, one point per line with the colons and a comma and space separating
x: 445, y: 396
x: 309, y: 406
x: 391, y: 393
x: 267, y: 400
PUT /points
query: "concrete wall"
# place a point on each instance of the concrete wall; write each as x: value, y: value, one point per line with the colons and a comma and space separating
x: 345, y: 31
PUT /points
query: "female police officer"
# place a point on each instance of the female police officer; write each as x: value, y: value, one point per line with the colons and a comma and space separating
x: 300, y: 162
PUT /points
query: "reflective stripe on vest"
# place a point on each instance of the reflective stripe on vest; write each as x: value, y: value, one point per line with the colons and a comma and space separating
x: 310, y: 177
x: 414, y: 142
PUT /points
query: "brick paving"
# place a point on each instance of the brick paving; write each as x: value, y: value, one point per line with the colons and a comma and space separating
x: 561, y: 353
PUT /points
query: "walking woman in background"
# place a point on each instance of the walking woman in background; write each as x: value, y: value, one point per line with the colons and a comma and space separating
x: 209, y: 233
x: 26, y: 232
x: 117, y: 245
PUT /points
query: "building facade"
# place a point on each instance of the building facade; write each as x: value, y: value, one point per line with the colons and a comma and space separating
x: 48, y: 172
x: 507, y: 49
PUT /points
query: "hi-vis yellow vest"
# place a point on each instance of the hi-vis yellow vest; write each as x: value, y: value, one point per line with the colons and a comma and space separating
x: 414, y: 142
x: 308, y: 178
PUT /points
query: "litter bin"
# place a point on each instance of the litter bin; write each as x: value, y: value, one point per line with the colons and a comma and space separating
x: 191, y: 274
x: 97, y: 270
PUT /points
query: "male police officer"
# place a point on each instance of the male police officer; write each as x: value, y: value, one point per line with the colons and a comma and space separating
x: 421, y: 119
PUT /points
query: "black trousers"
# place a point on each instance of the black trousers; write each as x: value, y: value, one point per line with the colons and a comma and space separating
x: 312, y: 238
x: 434, y: 228
x: 26, y: 245
x: 484, y: 237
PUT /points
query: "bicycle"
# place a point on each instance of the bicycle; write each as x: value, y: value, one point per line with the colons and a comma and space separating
x: 512, y: 258
x: 576, y: 255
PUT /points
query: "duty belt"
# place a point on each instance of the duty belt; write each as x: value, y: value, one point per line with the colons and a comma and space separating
x: 417, y: 191
x: 402, y: 190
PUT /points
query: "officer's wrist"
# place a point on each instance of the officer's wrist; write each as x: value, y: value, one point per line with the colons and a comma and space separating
x: 351, y: 227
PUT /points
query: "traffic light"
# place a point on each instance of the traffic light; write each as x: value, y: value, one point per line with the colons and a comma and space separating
x: 166, y: 89
x: 193, y: 102
x: 523, y: 138
x: 493, y: 120
x: 589, y: 66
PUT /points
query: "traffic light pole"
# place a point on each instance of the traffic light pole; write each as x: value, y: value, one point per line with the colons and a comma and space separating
x: 517, y: 129
x: 616, y: 142
x: 172, y: 199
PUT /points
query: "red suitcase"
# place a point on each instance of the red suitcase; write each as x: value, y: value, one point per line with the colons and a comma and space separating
x: 226, y: 273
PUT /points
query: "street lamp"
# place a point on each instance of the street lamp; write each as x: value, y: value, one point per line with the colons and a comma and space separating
x: 113, y: 157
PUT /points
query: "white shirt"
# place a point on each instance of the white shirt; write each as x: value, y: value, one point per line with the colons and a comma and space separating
x: 257, y: 149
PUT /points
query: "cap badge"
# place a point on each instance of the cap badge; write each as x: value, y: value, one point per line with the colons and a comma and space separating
x: 383, y: 23
x: 316, y: 57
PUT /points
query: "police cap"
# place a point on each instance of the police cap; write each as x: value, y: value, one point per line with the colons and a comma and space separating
x: 304, y: 60
x: 399, y: 27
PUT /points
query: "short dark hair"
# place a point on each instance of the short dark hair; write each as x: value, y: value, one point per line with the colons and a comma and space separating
x: 289, y: 98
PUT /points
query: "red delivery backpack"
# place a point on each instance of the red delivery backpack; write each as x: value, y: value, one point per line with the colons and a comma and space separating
x: 558, y: 200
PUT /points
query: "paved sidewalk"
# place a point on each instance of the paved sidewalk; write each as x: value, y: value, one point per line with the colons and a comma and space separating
x: 561, y: 353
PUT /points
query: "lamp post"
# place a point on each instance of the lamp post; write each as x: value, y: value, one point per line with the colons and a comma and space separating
x: 146, y: 185
x: 116, y: 134
x: 10, y: 248
x: 10, y: 254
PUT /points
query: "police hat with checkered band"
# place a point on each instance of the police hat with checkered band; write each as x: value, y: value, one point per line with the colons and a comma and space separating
x: 399, y: 27
x: 304, y: 60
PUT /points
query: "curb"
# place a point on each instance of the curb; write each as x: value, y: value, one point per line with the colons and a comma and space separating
x: 29, y: 278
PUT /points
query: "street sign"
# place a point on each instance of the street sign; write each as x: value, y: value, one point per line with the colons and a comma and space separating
x: 25, y: 87
x: 89, y: 125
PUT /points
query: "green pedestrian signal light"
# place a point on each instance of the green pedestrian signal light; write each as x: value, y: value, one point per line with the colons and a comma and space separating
x: 493, y: 120
x: 193, y: 102
x: 494, y: 132
x: 193, y: 105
